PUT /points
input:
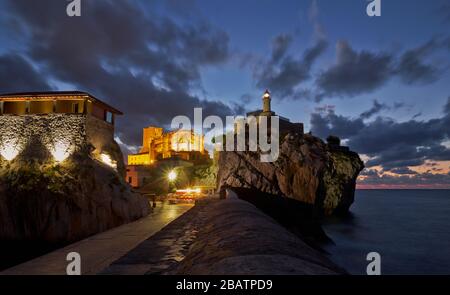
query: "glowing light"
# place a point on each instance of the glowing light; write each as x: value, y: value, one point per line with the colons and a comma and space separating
x: 106, y: 159
x: 9, y: 151
x: 60, y: 151
x: 190, y: 190
x: 172, y: 175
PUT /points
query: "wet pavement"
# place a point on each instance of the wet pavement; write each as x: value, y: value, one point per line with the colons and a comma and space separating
x: 164, y: 250
x: 99, y: 251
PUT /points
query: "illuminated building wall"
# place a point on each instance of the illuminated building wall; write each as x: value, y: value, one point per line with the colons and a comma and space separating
x: 54, y: 126
x: 61, y: 135
x: 158, y: 145
x: 139, y: 159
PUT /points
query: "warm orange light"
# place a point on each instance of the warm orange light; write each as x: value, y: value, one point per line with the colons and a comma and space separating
x: 190, y: 190
x: 106, y: 159
x: 172, y: 175
x: 9, y: 151
x: 60, y: 151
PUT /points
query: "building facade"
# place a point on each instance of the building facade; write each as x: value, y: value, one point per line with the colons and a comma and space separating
x: 159, y: 145
x: 54, y: 125
x: 173, y: 148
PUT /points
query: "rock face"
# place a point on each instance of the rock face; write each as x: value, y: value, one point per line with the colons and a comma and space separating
x: 63, y: 203
x: 307, y: 170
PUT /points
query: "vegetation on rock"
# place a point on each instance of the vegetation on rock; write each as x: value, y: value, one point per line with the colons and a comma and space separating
x: 307, y: 170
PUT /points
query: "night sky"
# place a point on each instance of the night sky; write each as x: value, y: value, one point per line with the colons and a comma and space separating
x: 382, y: 84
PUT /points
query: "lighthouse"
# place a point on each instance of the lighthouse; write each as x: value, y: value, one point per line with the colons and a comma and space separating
x: 284, y: 124
x: 266, y: 102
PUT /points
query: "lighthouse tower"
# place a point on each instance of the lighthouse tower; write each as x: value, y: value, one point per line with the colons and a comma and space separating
x: 266, y: 103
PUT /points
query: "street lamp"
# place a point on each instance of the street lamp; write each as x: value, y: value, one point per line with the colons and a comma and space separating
x: 172, y: 175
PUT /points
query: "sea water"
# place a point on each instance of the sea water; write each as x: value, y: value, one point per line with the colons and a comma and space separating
x: 410, y: 229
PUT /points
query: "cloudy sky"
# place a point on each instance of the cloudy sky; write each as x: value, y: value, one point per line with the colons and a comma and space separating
x: 382, y: 84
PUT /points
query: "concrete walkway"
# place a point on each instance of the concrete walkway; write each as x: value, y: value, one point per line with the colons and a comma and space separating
x: 99, y: 251
x: 165, y: 249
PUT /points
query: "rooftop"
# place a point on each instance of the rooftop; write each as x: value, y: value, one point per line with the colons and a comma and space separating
x: 57, y: 95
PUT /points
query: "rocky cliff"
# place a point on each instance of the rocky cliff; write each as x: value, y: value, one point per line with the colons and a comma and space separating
x: 307, y: 170
x: 61, y: 203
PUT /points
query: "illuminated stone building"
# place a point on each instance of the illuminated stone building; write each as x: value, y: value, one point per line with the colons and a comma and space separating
x: 160, y: 145
x: 43, y: 125
x: 179, y: 147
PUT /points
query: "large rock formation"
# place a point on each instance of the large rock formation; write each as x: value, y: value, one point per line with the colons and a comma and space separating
x: 62, y: 203
x: 307, y: 170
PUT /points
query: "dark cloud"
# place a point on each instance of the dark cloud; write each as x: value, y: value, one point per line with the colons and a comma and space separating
x: 388, y: 143
x: 447, y: 106
x: 398, y: 105
x: 418, y: 180
x: 246, y: 98
x: 444, y: 11
x: 325, y: 108
x: 146, y: 64
x: 369, y: 172
x: 283, y: 73
x: 280, y: 45
x: 403, y: 171
x: 17, y: 74
x: 355, y: 72
x: 417, y: 115
x: 376, y: 108
x: 332, y: 124
x: 412, y: 69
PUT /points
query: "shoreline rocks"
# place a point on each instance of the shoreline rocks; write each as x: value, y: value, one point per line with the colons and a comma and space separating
x: 307, y: 170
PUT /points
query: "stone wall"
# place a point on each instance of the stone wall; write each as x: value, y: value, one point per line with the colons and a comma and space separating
x: 235, y: 238
x: 78, y: 197
x: 101, y: 135
x: 38, y: 136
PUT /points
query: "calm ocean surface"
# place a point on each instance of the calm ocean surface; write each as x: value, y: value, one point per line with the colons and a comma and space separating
x: 410, y: 229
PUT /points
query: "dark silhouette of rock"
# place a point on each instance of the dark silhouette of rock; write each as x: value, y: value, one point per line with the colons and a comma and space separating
x: 333, y: 140
x: 307, y: 170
